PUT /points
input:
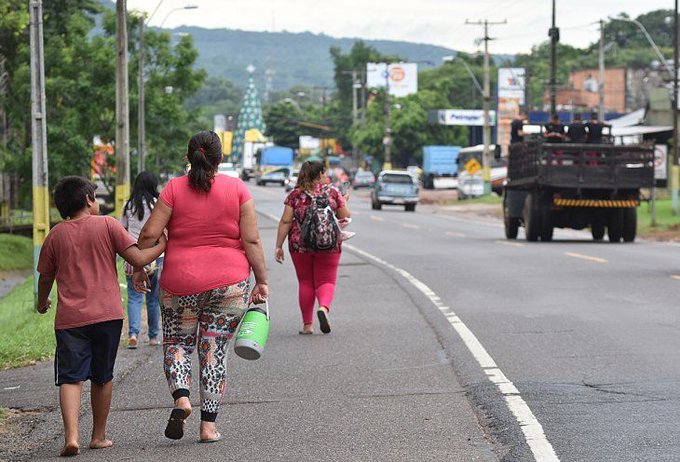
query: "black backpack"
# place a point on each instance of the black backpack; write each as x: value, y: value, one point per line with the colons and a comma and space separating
x: 320, y: 230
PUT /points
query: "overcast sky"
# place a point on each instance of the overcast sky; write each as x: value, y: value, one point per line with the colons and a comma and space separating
x: 437, y: 22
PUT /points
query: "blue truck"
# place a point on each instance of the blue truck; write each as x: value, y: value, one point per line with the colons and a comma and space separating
x: 274, y: 165
x: 440, y: 162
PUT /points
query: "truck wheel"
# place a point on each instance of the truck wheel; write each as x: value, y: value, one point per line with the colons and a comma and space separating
x: 511, y: 224
x: 597, y: 230
x: 546, y: 224
x: 532, y: 218
x: 629, y: 224
x: 410, y: 207
x: 615, y: 226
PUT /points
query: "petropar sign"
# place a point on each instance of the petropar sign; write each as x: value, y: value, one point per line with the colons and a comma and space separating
x: 465, y: 117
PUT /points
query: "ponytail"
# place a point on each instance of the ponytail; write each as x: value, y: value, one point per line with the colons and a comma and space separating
x: 205, y: 154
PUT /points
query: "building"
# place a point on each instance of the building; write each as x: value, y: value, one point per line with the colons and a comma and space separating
x: 581, y: 93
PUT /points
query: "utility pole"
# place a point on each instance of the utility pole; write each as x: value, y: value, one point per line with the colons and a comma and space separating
x: 354, y: 97
x: 141, y: 107
x: 676, y: 152
x: 363, y: 97
x: 122, y: 109
x: 41, y: 196
x: 600, y: 87
x: 387, y: 136
x: 486, y: 154
x: 554, y: 34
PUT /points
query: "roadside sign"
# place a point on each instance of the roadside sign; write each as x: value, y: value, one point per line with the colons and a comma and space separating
x: 472, y: 166
x: 660, y: 162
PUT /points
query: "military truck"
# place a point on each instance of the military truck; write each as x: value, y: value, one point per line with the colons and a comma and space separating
x: 565, y: 185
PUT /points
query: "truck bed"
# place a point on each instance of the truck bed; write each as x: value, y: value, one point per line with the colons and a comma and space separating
x: 583, y: 166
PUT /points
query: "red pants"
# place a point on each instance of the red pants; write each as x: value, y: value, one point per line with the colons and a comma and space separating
x: 317, y: 273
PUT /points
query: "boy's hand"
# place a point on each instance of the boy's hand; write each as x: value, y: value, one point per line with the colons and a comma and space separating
x: 141, y: 282
x: 42, y: 309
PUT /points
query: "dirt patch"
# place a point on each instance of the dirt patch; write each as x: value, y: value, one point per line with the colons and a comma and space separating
x: 438, y: 197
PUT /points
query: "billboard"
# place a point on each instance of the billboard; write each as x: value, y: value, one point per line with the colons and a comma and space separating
x: 402, y: 78
x: 465, y: 117
x: 511, y: 97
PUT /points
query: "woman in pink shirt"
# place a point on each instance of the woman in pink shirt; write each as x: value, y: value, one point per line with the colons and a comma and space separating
x: 213, y: 244
x: 316, y: 270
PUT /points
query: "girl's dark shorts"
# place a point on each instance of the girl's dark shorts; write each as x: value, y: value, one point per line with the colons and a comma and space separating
x: 87, y: 353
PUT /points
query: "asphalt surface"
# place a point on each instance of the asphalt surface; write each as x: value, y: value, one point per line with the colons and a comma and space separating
x: 587, y: 332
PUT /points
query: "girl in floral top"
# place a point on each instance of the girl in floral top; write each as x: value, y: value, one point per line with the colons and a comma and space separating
x: 317, y: 271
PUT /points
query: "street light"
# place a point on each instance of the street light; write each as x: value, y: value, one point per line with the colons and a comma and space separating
x: 649, y: 39
x: 186, y: 7
x: 450, y: 59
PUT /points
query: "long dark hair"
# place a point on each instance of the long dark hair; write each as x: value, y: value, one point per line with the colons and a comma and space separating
x: 144, y: 190
x: 310, y: 171
x: 204, y: 154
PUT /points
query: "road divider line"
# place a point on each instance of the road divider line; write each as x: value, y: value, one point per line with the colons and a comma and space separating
x: 511, y: 244
x: 409, y: 225
x: 533, y: 431
x: 454, y: 234
x: 586, y: 257
x: 676, y: 277
x: 377, y: 218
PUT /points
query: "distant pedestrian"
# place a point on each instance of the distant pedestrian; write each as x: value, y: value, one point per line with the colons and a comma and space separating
x: 317, y: 270
x: 576, y: 131
x: 213, y: 243
x: 554, y: 131
x: 517, y: 129
x: 595, y: 127
x: 80, y: 254
x: 135, y: 214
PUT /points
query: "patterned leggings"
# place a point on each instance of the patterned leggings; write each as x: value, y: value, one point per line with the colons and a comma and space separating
x: 207, y: 320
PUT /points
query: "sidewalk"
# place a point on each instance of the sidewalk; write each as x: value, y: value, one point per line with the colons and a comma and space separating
x: 379, y: 387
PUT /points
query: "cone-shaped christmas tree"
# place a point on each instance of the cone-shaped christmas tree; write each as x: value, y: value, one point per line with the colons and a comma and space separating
x: 250, y: 117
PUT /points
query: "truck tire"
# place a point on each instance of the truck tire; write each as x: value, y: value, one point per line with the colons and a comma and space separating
x: 629, y: 224
x: 532, y: 218
x: 410, y: 207
x: 546, y: 224
x: 615, y: 226
x: 511, y: 224
x: 597, y: 230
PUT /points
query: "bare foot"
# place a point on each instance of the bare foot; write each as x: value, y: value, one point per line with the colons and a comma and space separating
x: 70, y: 449
x: 307, y: 329
x: 100, y: 444
x: 209, y: 431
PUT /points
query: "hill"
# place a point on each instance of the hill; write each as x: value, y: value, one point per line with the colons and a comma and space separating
x: 295, y: 58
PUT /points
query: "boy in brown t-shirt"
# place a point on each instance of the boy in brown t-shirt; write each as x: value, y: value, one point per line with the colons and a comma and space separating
x: 80, y: 253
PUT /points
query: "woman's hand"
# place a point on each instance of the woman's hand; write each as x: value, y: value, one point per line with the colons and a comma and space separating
x: 260, y: 293
x: 141, y: 282
x: 278, y: 254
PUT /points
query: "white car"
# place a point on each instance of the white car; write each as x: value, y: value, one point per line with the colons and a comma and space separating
x: 227, y: 168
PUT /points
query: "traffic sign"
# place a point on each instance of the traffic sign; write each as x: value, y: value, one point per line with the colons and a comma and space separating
x: 472, y: 166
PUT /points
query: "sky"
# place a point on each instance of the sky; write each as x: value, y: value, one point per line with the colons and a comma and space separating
x: 436, y: 22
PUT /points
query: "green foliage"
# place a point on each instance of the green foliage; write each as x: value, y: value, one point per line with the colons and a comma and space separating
x: 217, y: 96
x: 16, y: 252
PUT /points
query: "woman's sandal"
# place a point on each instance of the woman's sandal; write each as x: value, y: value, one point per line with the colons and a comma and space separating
x: 302, y: 332
x: 324, y: 324
x: 217, y: 438
x: 175, y: 428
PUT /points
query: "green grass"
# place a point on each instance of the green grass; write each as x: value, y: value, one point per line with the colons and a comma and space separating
x: 16, y: 252
x: 666, y: 221
x: 491, y: 199
x: 25, y: 335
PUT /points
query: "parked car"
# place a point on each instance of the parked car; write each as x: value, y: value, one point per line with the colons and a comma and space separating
x: 395, y: 188
x: 363, y: 180
x: 291, y: 181
x: 273, y: 176
x: 227, y: 168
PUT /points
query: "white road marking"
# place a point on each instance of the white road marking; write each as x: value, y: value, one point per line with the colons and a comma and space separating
x: 409, y: 225
x: 511, y: 243
x: 533, y: 431
x: 377, y: 218
x: 586, y: 257
x: 454, y: 234
x: 676, y: 277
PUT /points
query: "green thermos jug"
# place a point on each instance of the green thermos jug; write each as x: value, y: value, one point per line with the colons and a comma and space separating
x: 253, y: 333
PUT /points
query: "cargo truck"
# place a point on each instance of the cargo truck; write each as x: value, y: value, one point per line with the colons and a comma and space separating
x: 274, y: 165
x: 440, y: 166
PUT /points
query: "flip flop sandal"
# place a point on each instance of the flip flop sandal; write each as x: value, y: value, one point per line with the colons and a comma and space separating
x: 217, y: 438
x: 175, y: 428
x: 302, y: 332
x: 324, y: 325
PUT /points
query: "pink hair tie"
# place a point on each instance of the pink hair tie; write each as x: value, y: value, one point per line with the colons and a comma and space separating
x: 201, y: 150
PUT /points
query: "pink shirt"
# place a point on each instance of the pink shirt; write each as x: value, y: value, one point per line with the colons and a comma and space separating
x: 204, y: 248
x: 81, y: 255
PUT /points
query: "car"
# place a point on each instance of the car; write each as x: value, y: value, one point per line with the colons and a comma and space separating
x: 291, y: 181
x: 363, y: 179
x: 227, y: 168
x: 395, y: 187
x: 273, y: 176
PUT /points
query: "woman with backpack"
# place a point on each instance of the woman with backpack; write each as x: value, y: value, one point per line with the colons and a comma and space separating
x: 310, y: 222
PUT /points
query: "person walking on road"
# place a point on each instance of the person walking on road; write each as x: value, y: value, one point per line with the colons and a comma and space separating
x: 80, y: 254
x: 135, y: 214
x: 213, y: 244
x: 317, y: 270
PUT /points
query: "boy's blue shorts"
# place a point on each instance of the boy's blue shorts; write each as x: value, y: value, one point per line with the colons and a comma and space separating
x: 87, y: 352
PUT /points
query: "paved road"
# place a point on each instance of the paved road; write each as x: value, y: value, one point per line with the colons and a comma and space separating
x: 585, y: 334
